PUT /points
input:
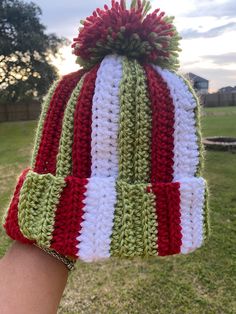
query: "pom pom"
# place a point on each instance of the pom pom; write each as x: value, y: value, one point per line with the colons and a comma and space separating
x: 150, y: 38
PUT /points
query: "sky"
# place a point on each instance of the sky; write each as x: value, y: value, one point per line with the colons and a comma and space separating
x: 207, y: 27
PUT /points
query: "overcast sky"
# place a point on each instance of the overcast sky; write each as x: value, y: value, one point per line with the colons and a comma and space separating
x: 208, y: 28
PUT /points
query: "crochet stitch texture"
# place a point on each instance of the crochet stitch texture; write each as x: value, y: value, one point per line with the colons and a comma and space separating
x: 117, y: 163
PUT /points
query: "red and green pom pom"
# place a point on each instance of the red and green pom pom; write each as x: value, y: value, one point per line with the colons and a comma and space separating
x: 150, y: 38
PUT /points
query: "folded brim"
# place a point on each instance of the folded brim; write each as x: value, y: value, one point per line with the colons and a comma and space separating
x: 98, y: 217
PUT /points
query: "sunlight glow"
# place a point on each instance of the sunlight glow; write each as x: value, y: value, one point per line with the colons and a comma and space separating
x: 194, y: 51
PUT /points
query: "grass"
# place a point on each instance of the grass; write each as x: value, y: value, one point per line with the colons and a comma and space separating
x: 16, y: 140
x: 219, y: 121
x: 201, y: 282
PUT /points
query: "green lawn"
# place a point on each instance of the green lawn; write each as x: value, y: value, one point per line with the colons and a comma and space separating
x: 220, y: 121
x: 202, y: 282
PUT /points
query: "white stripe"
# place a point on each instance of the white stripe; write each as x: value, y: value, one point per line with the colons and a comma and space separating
x: 105, y: 118
x: 186, y: 150
x: 192, y: 213
x: 95, y: 237
x: 186, y: 159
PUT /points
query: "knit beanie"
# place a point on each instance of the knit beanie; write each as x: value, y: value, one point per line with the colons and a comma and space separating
x: 116, y: 168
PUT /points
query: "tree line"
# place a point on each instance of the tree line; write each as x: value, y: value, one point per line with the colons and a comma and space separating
x: 26, y: 51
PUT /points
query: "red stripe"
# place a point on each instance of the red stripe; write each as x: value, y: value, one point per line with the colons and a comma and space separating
x: 11, y: 225
x: 162, y: 161
x: 173, y: 201
x: 162, y: 146
x: 81, y: 150
x: 48, y: 149
x: 69, y: 217
x: 70, y: 209
x: 168, y: 213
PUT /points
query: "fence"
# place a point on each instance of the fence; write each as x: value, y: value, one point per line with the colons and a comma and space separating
x: 19, y: 111
x: 219, y: 100
x: 31, y: 111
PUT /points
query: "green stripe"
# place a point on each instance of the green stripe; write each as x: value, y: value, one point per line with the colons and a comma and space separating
x: 143, y: 118
x: 39, y: 197
x: 44, y: 110
x: 126, y: 133
x: 64, y: 157
x: 134, y: 138
x: 135, y: 230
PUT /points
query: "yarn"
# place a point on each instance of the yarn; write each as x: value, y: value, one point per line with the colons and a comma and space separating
x: 46, y: 156
x: 133, y: 33
x: 64, y: 160
x: 94, y: 238
x: 197, y: 112
x: 192, y: 204
x: 143, y: 121
x: 202, y: 152
x: 10, y: 220
x: 117, y: 164
x: 186, y: 154
x: 135, y: 230
x: 105, y: 118
x: 126, y: 122
x: 96, y: 228
x: 38, y: 201
x: 162, y: 128
x: 69, y: 216
x: 81, y: 157
x: 168, y: 217
x: 42, y: 118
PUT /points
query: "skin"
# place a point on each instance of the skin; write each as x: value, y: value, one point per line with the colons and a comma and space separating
x: 31, y: 281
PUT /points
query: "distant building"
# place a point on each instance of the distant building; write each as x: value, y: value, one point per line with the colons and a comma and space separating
x: 200, y: 84
x: 227, y: 89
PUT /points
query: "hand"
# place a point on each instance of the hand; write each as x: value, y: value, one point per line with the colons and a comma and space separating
x: 31, y: 281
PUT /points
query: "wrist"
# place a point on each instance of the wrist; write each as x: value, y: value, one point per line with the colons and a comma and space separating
x: 67, y: 261
x: 31, y: 279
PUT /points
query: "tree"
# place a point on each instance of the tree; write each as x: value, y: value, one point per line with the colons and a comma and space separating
x: 25, y: 51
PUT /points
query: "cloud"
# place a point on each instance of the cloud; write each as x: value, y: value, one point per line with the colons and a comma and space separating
x: 72, y: 7
x: 222, y: 59
x: 212, y: 8
x: 213, y: 32
x: 64, y: 18
x: 189, y: 63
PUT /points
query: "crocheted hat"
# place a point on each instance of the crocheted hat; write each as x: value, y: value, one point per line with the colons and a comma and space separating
x: 117, y: 163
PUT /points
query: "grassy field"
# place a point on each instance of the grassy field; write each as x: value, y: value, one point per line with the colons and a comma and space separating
x: 202, y: 282
x: 219, y: 121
